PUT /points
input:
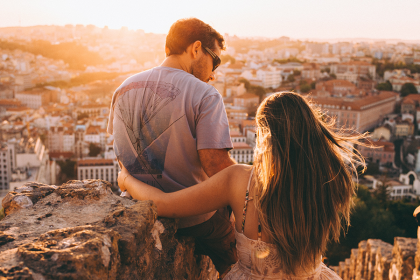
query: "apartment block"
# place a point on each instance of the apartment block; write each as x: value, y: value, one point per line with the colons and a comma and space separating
x: 360, y: 114
x: 104, y: 169
x: 352, y: 70
x: 242, y: 152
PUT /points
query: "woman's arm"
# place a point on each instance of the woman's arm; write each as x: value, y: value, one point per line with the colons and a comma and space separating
x: 205, y: 197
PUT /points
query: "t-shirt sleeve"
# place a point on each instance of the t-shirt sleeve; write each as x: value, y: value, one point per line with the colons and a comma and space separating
x: 212, y: 128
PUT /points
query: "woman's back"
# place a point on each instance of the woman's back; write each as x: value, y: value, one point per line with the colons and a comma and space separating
x: 259, y: 259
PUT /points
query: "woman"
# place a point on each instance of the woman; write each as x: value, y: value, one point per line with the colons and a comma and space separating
x: 288, y: 204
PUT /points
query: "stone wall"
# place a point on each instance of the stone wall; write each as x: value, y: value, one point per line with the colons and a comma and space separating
x: 81, y: 230
x: 375, y: 259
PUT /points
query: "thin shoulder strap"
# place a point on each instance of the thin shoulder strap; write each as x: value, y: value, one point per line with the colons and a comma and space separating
x: 247, y: 198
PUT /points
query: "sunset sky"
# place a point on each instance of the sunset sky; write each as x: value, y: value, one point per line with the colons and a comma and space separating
x: 323, y: 19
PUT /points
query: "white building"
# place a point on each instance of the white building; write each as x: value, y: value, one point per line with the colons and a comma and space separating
x: 270, y: 77
x: 251, y: 137
x: 237, y: 137
x: 34, y: 99
x: 38, y: 165
x: 5, y: 167
x: 104, y: 169
x: 242, y: 152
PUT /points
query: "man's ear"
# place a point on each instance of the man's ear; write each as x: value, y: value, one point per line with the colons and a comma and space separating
x: 196, y: 48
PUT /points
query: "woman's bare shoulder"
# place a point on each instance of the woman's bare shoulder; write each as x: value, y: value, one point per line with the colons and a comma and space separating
x: 239, y: 169
x: 239, y: 176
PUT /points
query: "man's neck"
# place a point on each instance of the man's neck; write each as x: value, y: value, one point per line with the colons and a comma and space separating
x: 174, y: 61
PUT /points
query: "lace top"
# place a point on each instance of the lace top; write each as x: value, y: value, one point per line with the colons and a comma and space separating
x: 260, y: 260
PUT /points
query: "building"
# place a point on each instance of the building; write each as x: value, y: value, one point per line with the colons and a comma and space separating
x: 36, y: 164
x: 383, y: 151
x: 408, y: 105
x: 311, y: 71
x: 384, y: 132
x: 404, y: 128
x: 61, y: 139
x: 237, y: 137
x: 93, y: 110
x: 270, y: 77
x: 398, y: 81
x: 247, y: 100
x: 104, y: 169
x: 242, y: 152
x: 337, y: 88
x: 353, y: 70
x: 236, y: 115
x: 360, y: 114
x: 6, y: 157
x: 34, y: 99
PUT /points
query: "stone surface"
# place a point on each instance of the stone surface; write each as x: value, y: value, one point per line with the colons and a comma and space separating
x: 372, y: 246
x: 353, y: 264
x: 346, y: 269
x: 341, y: 269
x: 383, y: 261
x: 403, y: 254
x: 81, y: 230
x: 361, y: 254
x: 416, y: 270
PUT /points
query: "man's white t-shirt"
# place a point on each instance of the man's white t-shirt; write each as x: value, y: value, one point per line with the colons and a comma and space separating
x: 160, y: 118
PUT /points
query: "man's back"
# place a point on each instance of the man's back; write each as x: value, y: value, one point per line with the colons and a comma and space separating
x: 160, y: 118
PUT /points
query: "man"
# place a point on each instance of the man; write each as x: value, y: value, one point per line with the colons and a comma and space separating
x: 171, y: 130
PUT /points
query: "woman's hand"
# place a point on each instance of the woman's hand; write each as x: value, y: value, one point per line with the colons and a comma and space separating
x: 122, y: 176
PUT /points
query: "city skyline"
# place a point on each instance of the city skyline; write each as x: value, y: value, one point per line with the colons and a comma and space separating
x: 324, y: 19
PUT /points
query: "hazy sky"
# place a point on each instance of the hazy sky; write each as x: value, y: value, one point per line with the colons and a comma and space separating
x: 269, y: 18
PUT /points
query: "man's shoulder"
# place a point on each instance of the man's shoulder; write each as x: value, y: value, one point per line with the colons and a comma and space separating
x: 171, y: 78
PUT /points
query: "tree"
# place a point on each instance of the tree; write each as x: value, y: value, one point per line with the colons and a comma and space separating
x: 370, y: 219
x: 258, y: 90
x: 82, y: 116
x: 382, y: 192
x: 291, y: 78
x: 67, y: 170
x: 305, y: 88
x: 94, y: 150
x: 384, y: 86
x: 372, y: 168
x: 332, y: 75
x: 313, y: 85
x: 296, y: 73
x: 245, y: 82
x: 407, y: 89
x: 226, y: 58
x: 284, y: 61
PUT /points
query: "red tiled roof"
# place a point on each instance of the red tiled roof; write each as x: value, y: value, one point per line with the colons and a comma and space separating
x: 94, y: 162
x: 356, y: 104
x: 241, y: 145
x: 247, y: 96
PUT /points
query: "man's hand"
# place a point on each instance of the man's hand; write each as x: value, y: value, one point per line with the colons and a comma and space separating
x: 214, y: 160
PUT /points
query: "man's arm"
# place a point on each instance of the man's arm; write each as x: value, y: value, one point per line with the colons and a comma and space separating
x: 215, y: 160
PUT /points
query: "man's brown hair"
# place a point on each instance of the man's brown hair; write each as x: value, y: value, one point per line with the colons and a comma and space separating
x: 186, y: 31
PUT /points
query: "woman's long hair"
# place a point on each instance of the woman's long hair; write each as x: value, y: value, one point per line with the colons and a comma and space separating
x: 303, y: 185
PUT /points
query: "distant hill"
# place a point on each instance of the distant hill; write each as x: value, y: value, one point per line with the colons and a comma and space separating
x: 78, y: 57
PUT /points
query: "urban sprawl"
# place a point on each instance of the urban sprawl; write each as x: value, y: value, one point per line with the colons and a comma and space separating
x: 56, y: 84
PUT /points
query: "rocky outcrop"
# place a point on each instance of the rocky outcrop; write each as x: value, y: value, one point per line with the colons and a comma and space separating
x: 372, y: 247
x: 383, y: 261
x: 375, y: 259
x: 353, y: 264
x: 403, y: 255
x: 81, y: 230
x: 360, y: 267
x: 416, y: 271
